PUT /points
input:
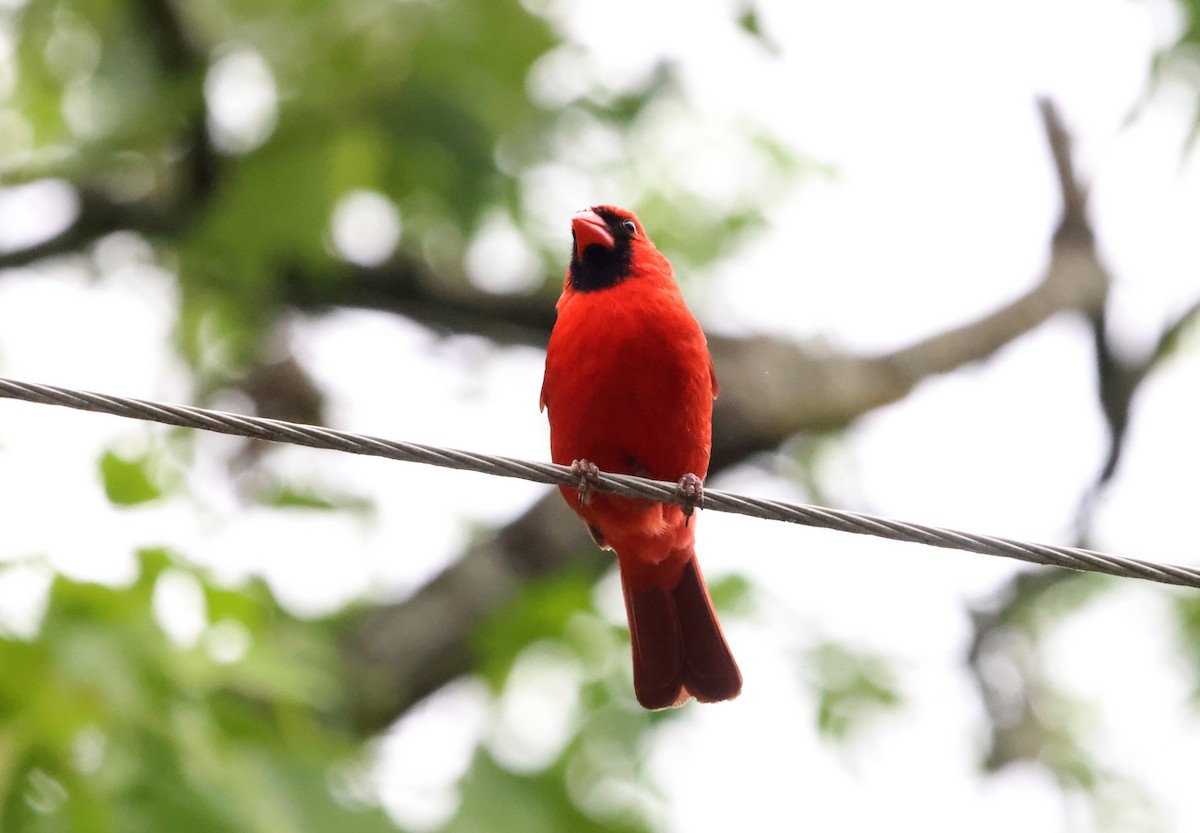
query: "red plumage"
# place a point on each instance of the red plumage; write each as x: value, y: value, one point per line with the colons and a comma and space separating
x: 628, y: 387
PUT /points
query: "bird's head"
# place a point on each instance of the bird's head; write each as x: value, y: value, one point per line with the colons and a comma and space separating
x: 609, y: 245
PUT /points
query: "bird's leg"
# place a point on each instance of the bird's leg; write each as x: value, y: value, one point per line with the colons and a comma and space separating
x: 587, y: 476
x: 691, y: 489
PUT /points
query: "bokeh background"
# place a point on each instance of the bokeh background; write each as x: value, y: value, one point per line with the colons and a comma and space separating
x: 946, y: 256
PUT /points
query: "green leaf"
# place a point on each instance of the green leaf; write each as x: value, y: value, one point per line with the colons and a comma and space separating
x: 851, y: 688
x: 750, y: 23
x: 128, y: 482
x: 1187, y: 623
x: 732, y: 593
x: 287, y: 496
x: 540, y: 611
x: 499, y: 801
x: 171, y: 738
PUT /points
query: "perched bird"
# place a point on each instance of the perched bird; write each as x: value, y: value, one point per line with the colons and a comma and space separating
x: 628, y: 388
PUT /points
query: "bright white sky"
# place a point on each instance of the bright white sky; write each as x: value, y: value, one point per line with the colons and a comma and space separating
x: 940, y: 208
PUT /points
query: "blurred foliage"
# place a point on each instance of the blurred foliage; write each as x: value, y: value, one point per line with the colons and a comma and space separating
x: 228, y: 132
x: 490, y: 786
x: 292, y: 496
x: 851, y: 688
x: 1180, y: 59
x: 106, y: 724
x: 544, y: 609
x: 1187, y: 618
x: 732, y: 594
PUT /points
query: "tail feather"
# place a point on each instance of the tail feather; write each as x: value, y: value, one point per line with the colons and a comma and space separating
x: 710, y: 672
x: 657, y: 648
x: 679, y: 650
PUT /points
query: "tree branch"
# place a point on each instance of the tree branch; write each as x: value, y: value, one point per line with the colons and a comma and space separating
x: 411, y: 288
x: 1003, y: 626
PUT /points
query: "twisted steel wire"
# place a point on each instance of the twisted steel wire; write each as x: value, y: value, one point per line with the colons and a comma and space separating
x: 274, y: 430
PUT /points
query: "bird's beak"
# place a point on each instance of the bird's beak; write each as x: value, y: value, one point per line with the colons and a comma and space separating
x: 590, y: 230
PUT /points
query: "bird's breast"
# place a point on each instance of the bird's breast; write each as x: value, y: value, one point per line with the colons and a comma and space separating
x: 627, y: 385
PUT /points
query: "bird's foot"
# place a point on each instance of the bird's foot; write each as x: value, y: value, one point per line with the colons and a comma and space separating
x: 691, y: 489
x: 587, y: 477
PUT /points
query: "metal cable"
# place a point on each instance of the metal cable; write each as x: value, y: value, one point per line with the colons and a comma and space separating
x: 619, y: 484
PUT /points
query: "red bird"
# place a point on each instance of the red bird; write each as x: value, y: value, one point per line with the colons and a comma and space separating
x: 629, y: 386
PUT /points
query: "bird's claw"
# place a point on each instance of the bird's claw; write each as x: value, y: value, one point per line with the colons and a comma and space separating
x: 691, y: 489
x: 587, y: 477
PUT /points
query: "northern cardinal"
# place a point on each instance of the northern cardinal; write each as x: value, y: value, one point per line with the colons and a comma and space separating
x: 628, y: 388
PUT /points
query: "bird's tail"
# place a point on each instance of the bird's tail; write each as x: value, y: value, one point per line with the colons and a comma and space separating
x: 679, y: 650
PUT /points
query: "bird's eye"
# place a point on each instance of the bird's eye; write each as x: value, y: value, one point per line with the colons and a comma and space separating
x: 629, y: 226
